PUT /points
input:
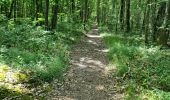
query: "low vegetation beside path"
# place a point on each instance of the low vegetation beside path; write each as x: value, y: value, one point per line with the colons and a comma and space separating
x: 31, y: 56
x: 142, y: 72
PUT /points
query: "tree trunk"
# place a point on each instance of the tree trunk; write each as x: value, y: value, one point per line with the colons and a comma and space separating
x: 161, y: 14
x: 122, y: 9
x: 154, y: 22
x: 127, y: 15
x: 54, y: 16
x: 146, y: 22
x: 6, y: 8
x: 98, y: 11
x: 164, y: 34
x: 46, y: 14
x: 73, y: 6
x: 138, y: 18
x: 11, y: 9
x: 15, y: 10
x: 113, y: 6
x: 159, y: 23
x: 37, y: 9
x: 85, y: 13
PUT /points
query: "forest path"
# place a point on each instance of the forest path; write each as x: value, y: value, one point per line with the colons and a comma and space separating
x: 88, y: 77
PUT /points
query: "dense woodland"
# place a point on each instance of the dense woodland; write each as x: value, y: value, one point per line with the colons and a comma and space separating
x: 37, y: 35
x: 150, y: 17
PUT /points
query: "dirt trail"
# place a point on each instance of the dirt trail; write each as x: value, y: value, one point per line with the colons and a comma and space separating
x: 88, y: 77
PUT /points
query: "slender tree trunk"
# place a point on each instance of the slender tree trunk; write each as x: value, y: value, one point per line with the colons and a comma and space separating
x: 37, y: 9
x: 117, y: 16
x: 146, y: 22
x: 161, y: 14
x: 15, y: 10
x: 33, y: 11
x: 73, y: 6
x: 127, y: 15
x: 54, y: 16
x: 160, y: 20
x: 113, y: 5
x: 85, y: 13
x: 11, y: 9
x: 164, y: 34
x: 122, y: 8
x: 138, y: 21
x: 6, y: 9
x: 98, y: 11
x: 46, y: 14
x: 154, y: 22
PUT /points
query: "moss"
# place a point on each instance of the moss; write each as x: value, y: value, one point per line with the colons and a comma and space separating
x: 11, y: 94
x: 4, y: 68
x: 19, y: 76
x: 2, y: 76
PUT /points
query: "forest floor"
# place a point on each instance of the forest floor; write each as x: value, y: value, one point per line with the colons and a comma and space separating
x: 88, y: 77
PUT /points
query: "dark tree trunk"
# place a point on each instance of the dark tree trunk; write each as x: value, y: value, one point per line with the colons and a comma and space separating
x: 154, y: 22
x: 73, y: 6
x: 15, y: 10
x: 11, y: 9
x: 138, y: 17
x: 159, y: 22
x: 127, y: 15
x: 46, y: 14
x: 32, y: 12
x: 98, y: 11
x: 161, y: 14
x: 146, y: 22
x: 6, y: 9
x: 122, y: 8
x: 37, y: 9
x: 164, y: 33
x: 54, y: 16
x: 113, y: 5
x: 86, y: 11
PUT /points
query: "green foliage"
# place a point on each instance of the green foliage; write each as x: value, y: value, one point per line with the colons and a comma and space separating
x: 31, y: 48
x: 69, y: 32
x: 138, y: 66
x: 40, y: 55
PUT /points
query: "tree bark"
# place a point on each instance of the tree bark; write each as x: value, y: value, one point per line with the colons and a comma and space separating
x: 146, y: 22
x: 154, y: 22
x: 85, y: 13
x: 122, y: 9
x: 164, y: 33
x: 46, y: 14
x: 98, y: 11
x: 54, y: 16
x: 127, y: 15
x: 138, y: 18
x: 15, y: 10
x: 11, y: 9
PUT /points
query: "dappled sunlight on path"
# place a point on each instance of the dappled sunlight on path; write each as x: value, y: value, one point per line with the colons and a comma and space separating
x: 88, y: 77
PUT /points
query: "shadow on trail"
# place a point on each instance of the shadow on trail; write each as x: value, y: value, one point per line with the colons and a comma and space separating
x: 88, y: 77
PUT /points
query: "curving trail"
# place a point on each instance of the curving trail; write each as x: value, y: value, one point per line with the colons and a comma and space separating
x: 88, y: 77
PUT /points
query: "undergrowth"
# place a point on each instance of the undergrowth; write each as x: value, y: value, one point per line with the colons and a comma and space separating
x: 143, y: 72
x: 41, y: 55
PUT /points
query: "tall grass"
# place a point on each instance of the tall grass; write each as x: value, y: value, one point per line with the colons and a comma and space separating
x: 143, y: 71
